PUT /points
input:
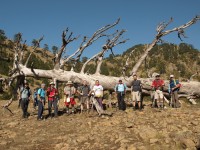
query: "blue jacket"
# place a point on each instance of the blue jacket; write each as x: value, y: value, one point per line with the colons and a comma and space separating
x: 172, y: 84
x: 120, y: 87
x: 41, y: 92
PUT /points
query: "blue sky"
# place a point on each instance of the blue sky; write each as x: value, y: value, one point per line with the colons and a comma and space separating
x: 35, y: 18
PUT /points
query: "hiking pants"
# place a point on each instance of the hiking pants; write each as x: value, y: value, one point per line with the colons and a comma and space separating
x: 54, y: 103
x: 40, y: 108
x: 35, y: 103
x: 121, y: 103
x: 99, y: 100
x: 175, y: 101
x: 24, y: 106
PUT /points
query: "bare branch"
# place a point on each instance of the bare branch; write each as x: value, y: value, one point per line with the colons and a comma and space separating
x: 16, y: 50
x: 32, y: 69
x: 160, y: 34
x: 8, y: 104
x: 35, y: 47
x: 98, y: 34
x: 99, y: 63
x: 64, y: 44
x: 5, y: 106
x: 108, y: 46
x: 181, y: 32
x: 124, y: 69
x: 22, y: 52
x: 191, y: 78
x: 182, y: 27
x: 162, y: 26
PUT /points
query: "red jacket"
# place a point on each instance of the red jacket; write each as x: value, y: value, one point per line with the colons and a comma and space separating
x: 51, y: 93
x: 157, y: 83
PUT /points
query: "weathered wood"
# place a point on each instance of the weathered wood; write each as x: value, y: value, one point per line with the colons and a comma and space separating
x: 99, y: 109
x: 160, y: 34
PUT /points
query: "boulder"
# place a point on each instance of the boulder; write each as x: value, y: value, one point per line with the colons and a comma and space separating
x: 187, y: 143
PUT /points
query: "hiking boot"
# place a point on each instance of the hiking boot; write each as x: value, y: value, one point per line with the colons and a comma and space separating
x: 39, y: 119
x: 48, y: 116
x: 67, y: 112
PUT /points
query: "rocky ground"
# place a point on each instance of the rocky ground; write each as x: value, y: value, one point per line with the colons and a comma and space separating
x: 150, y: 129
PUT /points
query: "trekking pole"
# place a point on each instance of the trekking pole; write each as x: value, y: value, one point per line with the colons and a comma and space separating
x: 171, y: 100
x: 153, y: 99
x: 163, y: 103
x: 92, y: 99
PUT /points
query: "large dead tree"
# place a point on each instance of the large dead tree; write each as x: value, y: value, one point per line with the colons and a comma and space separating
x: 189, y: 89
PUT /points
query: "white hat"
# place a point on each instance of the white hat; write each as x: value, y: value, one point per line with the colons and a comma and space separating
x: 69, y: 82
x: 51, y: 83
x: 171, y: 76
x: 157, y: 75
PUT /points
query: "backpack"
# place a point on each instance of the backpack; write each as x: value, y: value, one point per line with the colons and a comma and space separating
x: 179, y: 85
x: 29, y: 93
x: 138, y: 83
x: 118, y: 85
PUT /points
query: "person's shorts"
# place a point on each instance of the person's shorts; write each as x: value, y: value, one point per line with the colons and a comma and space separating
x: 84, y: 99
x: 158, y: 94
x: 72, y: 102
x: 136, y: 96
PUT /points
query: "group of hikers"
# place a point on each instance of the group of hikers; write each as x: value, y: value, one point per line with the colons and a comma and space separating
x: 86, y: 92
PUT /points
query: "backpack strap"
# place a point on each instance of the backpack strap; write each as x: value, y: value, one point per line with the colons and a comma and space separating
x: 174, y: 82
x: 118, y: 85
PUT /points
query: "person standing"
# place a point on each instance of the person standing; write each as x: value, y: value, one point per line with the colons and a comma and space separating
x: 52, y: 92
x: 35, y: 99
x: 69, y: 92
x: 174, y: 87
x: 157, y: 86
x: 84, y: 91
x: 120, y: 90
x: 25, y: 94
x: 41, y: 94
x: 136, y: 90
x: 98, y: 93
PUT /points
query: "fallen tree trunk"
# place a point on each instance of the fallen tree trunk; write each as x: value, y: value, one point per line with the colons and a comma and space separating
x: 5, y: 106
x: 108, y: 82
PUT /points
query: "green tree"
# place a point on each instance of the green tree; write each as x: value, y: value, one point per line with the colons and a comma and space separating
x: 16, y: 37
x: 2, y: 36
x: 54, y: 49
x: 46, y: 47
x: 34, y: 42
x: 104, y: 69
x: 111, y: 57
x: 84, y: 59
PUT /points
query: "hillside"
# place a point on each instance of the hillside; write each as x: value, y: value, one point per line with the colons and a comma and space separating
x: 182, y: 60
